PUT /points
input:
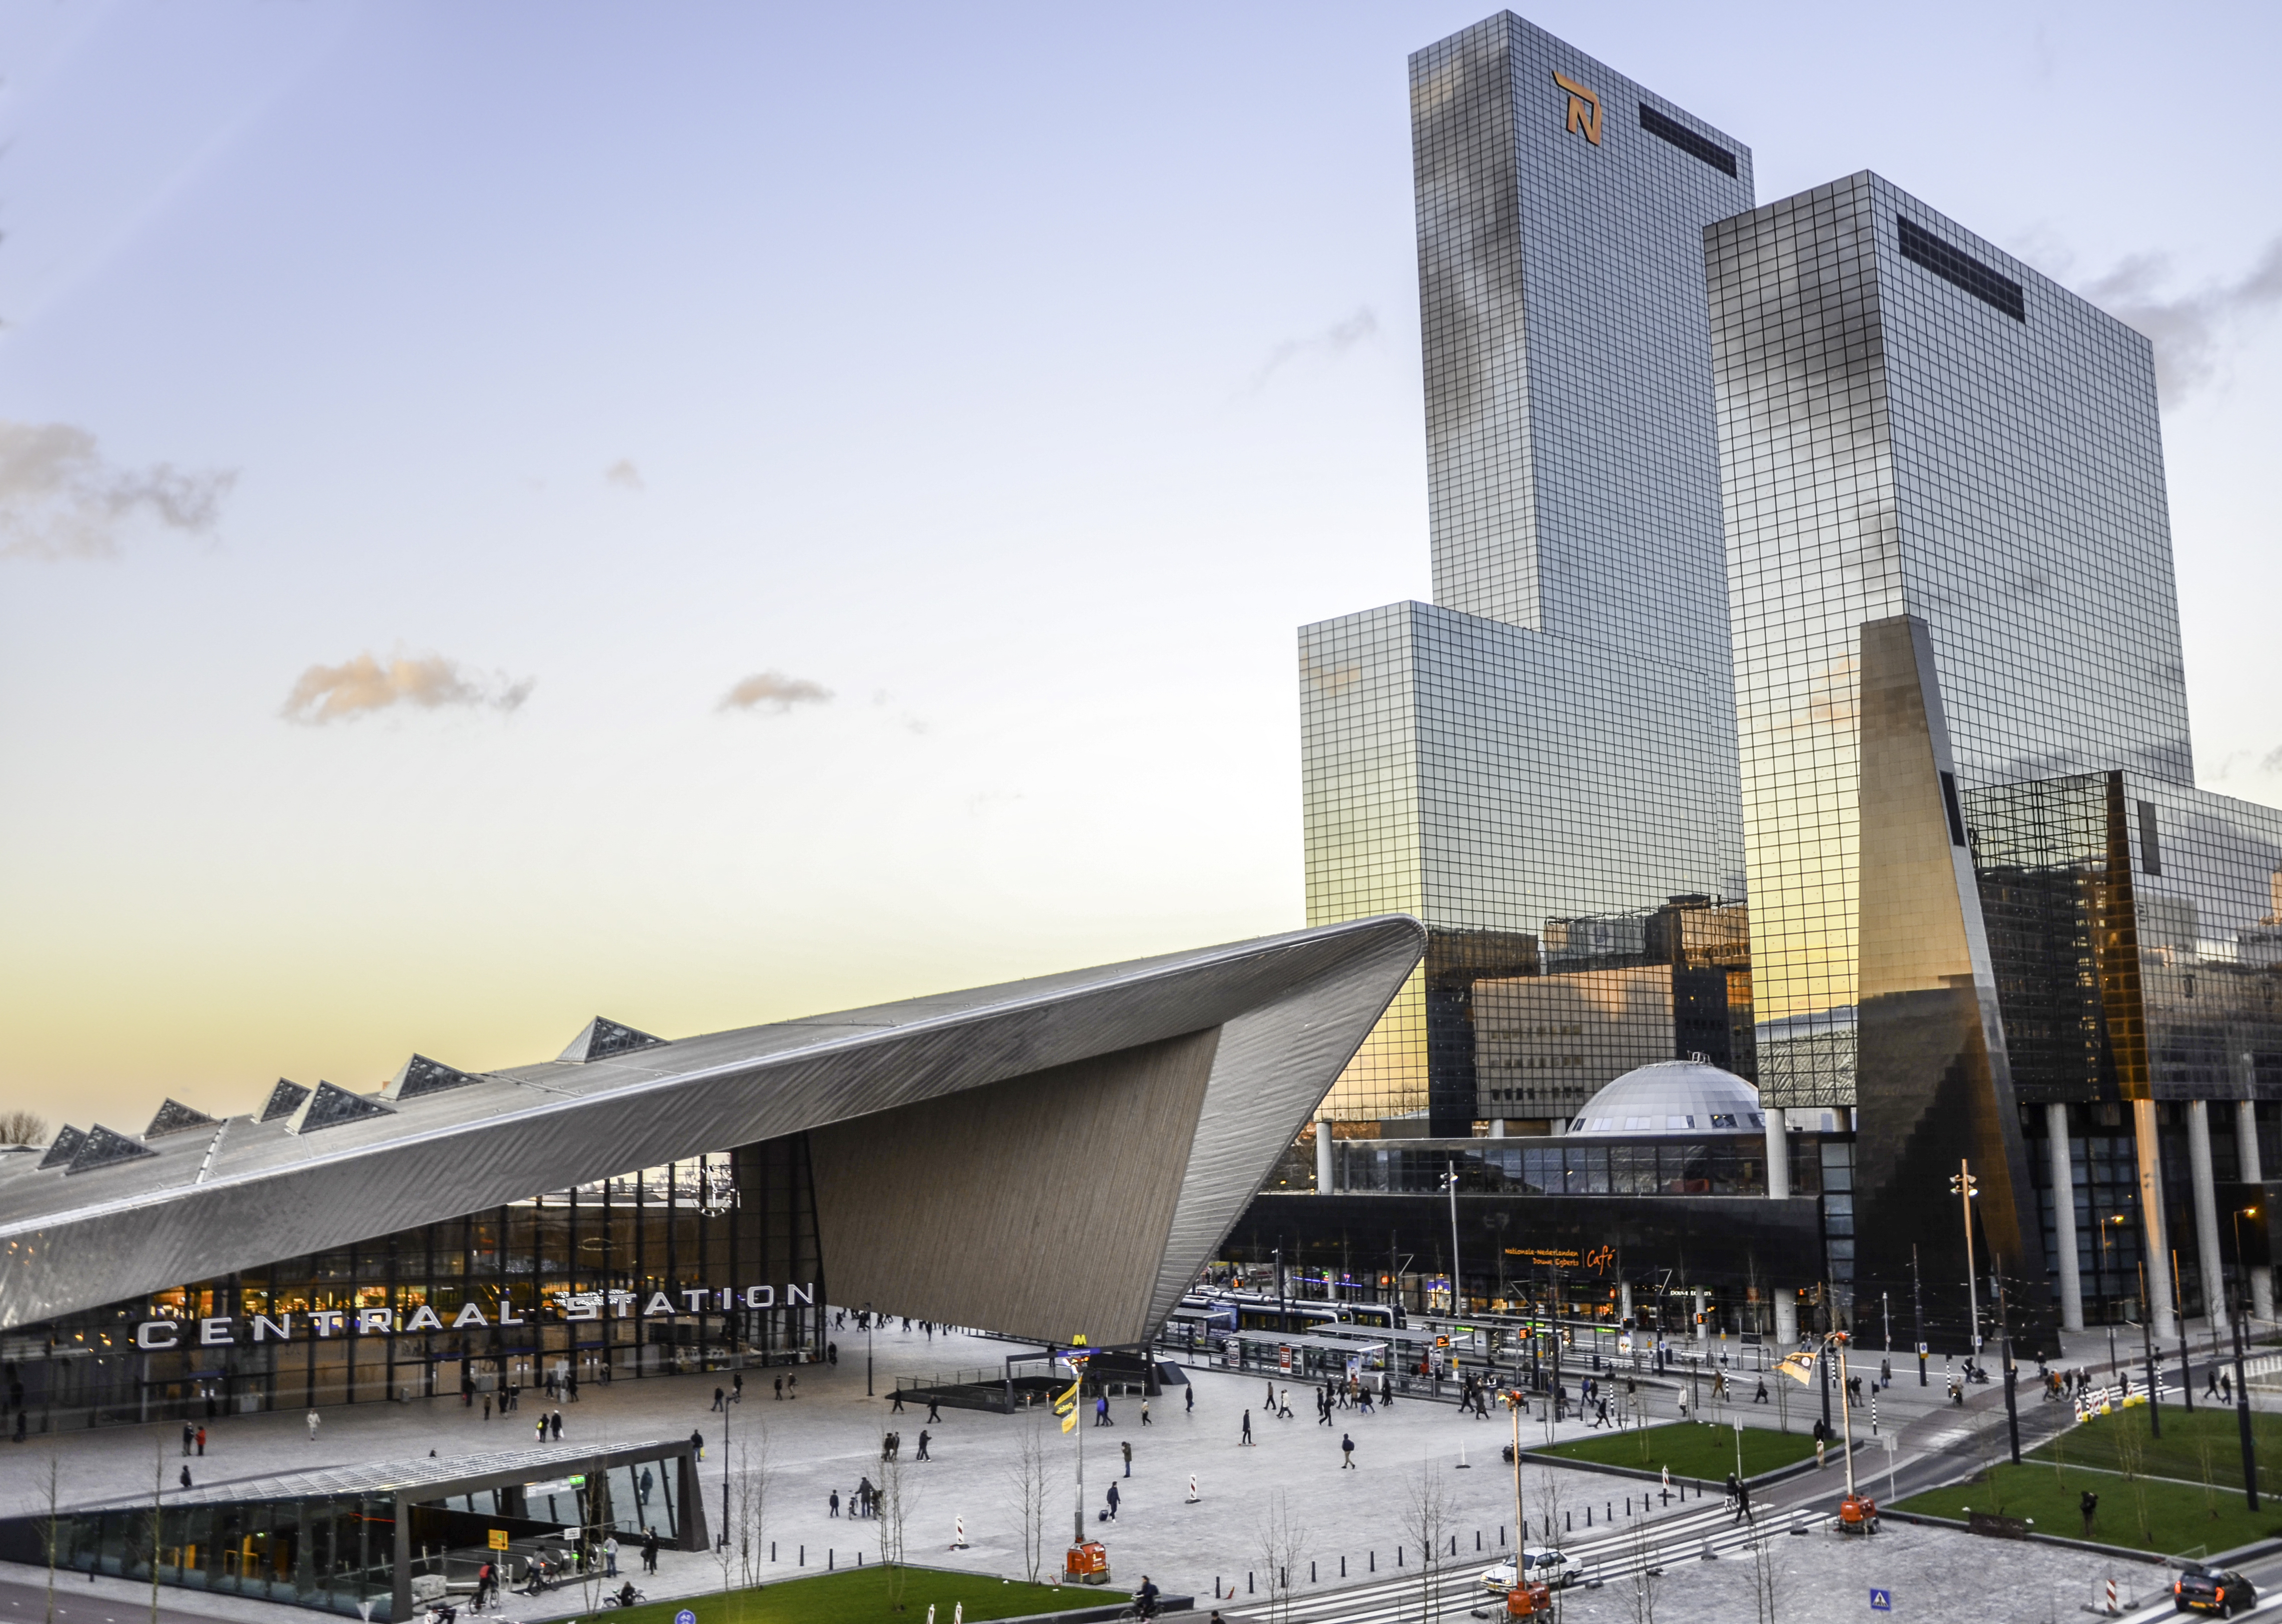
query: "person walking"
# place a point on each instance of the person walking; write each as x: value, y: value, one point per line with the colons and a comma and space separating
x: 1101, y: 1411
x: 736, y: 1388
x: 896, y: 1403
x: 1271, y: 1398
x: 1346, y: 1451
x: 1144, y: 1412
x: 312, y: 1426
x: 1761, y: 1396
x: 835, y: 1503
x: 609, y: 1556
x: 188, y: 1433
x: 557, y: 1420
x: 780, y: 1389
x: 202, y: 1440
x: 487, y: 1406
x: 650, y: 1551
x: 697, y: 1443
x: 924, y: 1436
x: 719, y: 1397
x: 1245, y: 1443
x: 1127, y: 1448
x: 1112, y: 1502
x: 1283, y: 1406
x: 1190, y: 1406
x: 934, y: 1410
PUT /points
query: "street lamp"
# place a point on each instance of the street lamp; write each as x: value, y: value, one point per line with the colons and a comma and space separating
x: 2115, y: 1217
x: 1963, y: 1186
x: 2241, y: 1387
x: 868, y: 1318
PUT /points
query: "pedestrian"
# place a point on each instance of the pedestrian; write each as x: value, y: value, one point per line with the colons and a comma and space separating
x: 540, y: 1431
x: 558, y: 1425
x: 1246, y: 1442
x: 718, y: 1397
x: 650, y: 1551
x: 792, y: 1386
x: 312, y: 1426
x: 1127, y: 1448
x: 922, y: 1455
x: 202, y: 1440
x: 186, y: 1477
x: 736, y: 1388
x: 1271, y: 1398
x: 609, y: 1556
x: 1818, y: 1446
x: 1761, y: 1396
x: 896, y: 1404
x: 2088, y: 1503
x: 1191, y: 1407
x: 1112, y: 1502
x: 832, y: 1353
x: 1144, y: 1412
x: 571, y: 1384
x: 697, y: 1443
x: 1346, y: 1451
x: 486, y: 1581
x: 189, y: 1432
x: 835, y: 1503
x: 934, y: 1412
x: 1101, y: 1411
x: 1362, y: 1401
x: 780, y: 1389
x: 487, y: 1406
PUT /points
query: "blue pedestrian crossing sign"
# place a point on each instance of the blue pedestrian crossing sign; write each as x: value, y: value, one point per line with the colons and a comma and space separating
x: 1881, y: 1601
x: 687, y: 1617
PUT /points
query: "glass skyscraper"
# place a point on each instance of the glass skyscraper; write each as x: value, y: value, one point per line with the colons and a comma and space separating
x: 1540, y: 764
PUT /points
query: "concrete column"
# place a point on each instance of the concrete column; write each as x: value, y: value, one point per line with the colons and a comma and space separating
x: 1624, y: 1300
x: 1702, y: 1326
x: 2199, y: 1164
x: 2063, y: 1167
x: 2158, y: 1252
x: 1324, y: 1155
x: 2246, y: 1136
x: 1779, y: 1189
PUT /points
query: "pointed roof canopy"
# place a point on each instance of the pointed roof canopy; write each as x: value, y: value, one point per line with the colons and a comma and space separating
x: 598, y: 1039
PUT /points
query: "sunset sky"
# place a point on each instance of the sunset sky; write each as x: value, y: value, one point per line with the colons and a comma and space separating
x: 705, y: 514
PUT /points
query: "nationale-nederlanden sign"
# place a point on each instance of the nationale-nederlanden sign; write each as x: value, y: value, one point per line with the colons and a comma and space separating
x: 156, y: 1335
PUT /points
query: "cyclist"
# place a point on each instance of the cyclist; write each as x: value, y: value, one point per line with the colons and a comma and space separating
x: 1145, y: 1599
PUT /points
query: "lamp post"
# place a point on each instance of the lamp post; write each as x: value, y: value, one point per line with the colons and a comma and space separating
x: 1965, y: 1187
x: 868, y: 1318
x: 2147, y: 1340
x: 2241, y: 1387
x: 2111, y: 1218
x: 1452, y: 1165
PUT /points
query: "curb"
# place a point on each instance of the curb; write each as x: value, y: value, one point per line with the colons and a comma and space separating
x: 1778, y: 1474
x: 2123, y: 1552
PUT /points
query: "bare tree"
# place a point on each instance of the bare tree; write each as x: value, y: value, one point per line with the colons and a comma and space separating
x: 51, y: 1526
x: 1768, y: 1579
x: 752, y: 1499
x: 23, y: 1128
x: 1026, y: 1476
x: 1648, y: 1575
x: 1280, y: 1542
x: 1425, y: 1517
x: 157, y: 1519
x: 1549, y: 1484
x: 897, y: 1500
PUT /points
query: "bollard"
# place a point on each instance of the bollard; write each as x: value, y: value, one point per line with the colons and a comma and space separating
x: 1373, y: 1561
x: 1247, y: 1581
x: 773, y: 1551
x: 1216, y: 1587
x: 1568, y: 1525
x: 1311, y: 1570
x: 804, y: 1557
x: 1343, y: 1565
x: 1398, y: 1556
x: 1192, y: 1488
x: 828, y: 1558
x: 1588, y: 1516
x: 1478, y: 1539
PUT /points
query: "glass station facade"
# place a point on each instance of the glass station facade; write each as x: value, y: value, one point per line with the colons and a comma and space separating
x: 650, y: 1274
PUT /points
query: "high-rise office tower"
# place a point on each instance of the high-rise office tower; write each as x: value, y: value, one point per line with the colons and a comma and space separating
x: 1944, y: 476
x: 1540, y: 764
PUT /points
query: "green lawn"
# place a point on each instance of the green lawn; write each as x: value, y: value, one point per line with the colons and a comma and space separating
x: 2105, y: 1441
x: 859, y: 1595
x: 1691, y: 1449
x: 2172, y: 1519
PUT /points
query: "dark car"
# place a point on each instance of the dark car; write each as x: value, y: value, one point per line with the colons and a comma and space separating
x: 2210, y: 1590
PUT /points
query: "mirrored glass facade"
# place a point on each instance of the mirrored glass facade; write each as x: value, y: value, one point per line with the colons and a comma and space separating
x: 1933, y: 429
x: 1552, y: 740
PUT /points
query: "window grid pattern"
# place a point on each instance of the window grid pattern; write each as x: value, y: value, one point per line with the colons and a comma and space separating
x: 1890, y: 444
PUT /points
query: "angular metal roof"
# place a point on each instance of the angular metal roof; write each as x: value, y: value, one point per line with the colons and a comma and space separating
x: 1290, y: 1011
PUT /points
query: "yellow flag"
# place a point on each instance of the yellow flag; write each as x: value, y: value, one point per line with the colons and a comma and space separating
x: 1069, y: 1421
x: 1800, y: 1367
x: 1067, y: 1401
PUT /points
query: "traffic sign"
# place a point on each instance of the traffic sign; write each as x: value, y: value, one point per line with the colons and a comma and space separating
x: 687, y: 1617
x: 1881, y: 1601
x: 497, y: 1538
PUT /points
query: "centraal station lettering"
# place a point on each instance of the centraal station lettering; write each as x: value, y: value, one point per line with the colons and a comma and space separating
x: 156, y: 1335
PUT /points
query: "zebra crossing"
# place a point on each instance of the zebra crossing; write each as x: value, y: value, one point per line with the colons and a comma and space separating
x: 1457, y: 1591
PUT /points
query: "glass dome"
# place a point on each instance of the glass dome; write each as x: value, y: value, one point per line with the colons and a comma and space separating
x: 1687, y: 1099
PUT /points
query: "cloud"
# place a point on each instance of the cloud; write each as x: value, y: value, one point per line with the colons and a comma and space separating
x: 60, y: 499
x: 2188, y: 331
x: 1333, y: 341
x: 624, y: 472
x: 775, y: 690
x: 2272, y: 762
x: 365, y: 684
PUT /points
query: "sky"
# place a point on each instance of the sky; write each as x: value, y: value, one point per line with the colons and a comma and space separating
x: 705, y: 514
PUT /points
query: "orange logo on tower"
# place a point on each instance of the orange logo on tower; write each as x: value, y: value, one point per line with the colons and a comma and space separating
x: 1584, y: 109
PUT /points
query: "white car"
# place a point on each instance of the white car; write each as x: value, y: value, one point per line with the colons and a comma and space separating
x: 1543, y: 1565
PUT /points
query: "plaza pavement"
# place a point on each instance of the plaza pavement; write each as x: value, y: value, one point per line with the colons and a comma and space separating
x: 829, y: 1438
